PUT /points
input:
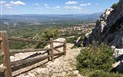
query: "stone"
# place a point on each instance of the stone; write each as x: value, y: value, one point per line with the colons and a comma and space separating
x: 109, y: 30
x: 31, y: 74
x: 76, y: 72
x: 117, y: 53
x: 2, y: 68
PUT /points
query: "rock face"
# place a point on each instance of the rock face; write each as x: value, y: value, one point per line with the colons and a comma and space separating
x: 109, y: 30
x: 109, y: 27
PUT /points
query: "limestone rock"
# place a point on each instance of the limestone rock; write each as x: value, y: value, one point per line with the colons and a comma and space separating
x: 109, y: 30
x: 109, y: 27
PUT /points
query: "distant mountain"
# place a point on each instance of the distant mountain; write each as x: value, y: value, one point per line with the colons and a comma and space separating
x: 49, y: 18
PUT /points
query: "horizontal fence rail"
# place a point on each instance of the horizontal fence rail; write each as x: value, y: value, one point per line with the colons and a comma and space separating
x: 10, y: 69
x: 26, y: 40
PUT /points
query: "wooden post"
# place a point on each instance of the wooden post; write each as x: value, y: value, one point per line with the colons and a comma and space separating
x: 5, y: 50
x: 52, y: 52
x: 48, y: 52
x: 64, y: 48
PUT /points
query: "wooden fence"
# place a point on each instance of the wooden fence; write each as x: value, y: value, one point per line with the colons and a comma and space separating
x: 11, y: 69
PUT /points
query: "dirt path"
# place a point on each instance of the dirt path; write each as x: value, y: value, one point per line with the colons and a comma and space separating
x: 64, y: 66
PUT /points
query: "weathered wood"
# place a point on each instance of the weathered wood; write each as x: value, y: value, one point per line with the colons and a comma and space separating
x: 5, y: 49
x: 28, y: 68
x: 33, y: 50
x: 27, y: 62
x: 60, y: 53
x: 48, y: 53
x: 57, y: 50
x: 58, y: 46
x: 51, y: 47
x: 0, y: 39
x: 26, y: 40
x: 27, y: 50
x: 64, y: 48
x: 58, y: 41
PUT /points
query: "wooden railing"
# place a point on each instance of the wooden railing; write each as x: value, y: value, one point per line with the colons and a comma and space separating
x: 14, y: 68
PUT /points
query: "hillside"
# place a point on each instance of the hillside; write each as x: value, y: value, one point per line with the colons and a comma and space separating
x: 36, y: 19
x: 109, y: 30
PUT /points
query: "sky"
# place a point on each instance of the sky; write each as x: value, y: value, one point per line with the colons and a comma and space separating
x: 54, y: 6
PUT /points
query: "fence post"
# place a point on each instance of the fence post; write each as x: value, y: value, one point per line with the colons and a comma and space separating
x: 64, y: 48
x: 5, y: 50
x: 51, y: 47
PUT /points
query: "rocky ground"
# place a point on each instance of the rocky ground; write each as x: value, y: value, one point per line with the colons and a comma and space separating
x: 64, y: 66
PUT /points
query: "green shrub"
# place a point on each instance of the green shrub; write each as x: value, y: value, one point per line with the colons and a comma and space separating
x: 99, y: 73
x: 114, y: 5
x: 1, y: 60
x: 95, y: 58
x: 96, y: 61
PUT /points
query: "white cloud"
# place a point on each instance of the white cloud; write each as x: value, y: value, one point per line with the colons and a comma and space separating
x: 2, y: 2
x: 85, y: 4
x: 17, y: 3
x: 57, y: 7
x: 9, y: 6
x: 36, y: 4
x: 45, y: 5
x: 14, y: 3
x: 73, y: 7
x: 71, y: 2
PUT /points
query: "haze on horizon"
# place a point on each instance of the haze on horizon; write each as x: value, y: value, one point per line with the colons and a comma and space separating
x: 54, y: 6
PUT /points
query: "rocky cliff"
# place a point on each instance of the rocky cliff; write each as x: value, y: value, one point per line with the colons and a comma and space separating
x: 109, y: 27
x: 109, y: 30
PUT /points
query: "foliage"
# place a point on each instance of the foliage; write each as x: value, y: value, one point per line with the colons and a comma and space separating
x: 95, y: 58
x: 99, y: 73
x: 46, y: 35
x: 49, y: 33
x: 1, y: 60
x: 73, y: 39
x: 114, y: 5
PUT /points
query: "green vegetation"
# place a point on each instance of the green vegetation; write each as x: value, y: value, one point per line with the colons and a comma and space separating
x: 114, y: 5
x: 96, y: 61
x: 44, y: 35
x: 1, y: 60
x: 99, y: 73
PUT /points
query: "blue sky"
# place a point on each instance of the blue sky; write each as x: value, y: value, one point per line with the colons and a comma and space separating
x: 54, y: 6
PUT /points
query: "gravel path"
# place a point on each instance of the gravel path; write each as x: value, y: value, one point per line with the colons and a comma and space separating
x: 64, y: 66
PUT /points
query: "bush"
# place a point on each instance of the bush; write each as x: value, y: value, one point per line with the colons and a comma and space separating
x: 99, y: 73
x: 114, y: 5
x: 46, y: 35
x: 96, y: 58
x: 96, y: 61
x: 1, y: 60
